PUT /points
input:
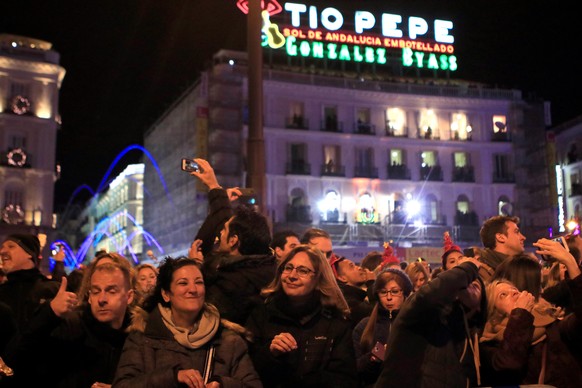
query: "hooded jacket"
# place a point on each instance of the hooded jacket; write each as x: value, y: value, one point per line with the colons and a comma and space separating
x: 152, y: 357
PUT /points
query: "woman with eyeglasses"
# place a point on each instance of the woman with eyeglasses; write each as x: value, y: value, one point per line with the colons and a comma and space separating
x: 302, y: 335
x: 370, y: 336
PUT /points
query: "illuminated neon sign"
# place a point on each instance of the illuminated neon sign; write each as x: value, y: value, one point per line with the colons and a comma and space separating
x: 315, y: 33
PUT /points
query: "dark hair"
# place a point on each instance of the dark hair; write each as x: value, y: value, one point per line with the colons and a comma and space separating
x: 252, y: 230
x: 312, y: 233
x: 166, y: 272
x: 523, y: 271
x: 492, y: 226
x: 372, y: 260
x: 280, y: 238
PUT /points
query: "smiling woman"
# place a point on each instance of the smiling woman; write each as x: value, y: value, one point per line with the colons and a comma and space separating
x: 305, y: 313
x: 181, y: 336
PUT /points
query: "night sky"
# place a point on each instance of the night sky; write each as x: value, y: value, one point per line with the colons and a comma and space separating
x: 127, y: 60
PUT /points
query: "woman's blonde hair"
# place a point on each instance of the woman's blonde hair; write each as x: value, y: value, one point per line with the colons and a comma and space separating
x: 493, y: 315
x: 326, y: 284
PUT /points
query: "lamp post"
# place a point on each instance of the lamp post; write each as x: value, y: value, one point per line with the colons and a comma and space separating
x: 255, y: 143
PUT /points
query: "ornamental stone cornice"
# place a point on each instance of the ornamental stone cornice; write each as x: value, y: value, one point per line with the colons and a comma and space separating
x: 35, y: 67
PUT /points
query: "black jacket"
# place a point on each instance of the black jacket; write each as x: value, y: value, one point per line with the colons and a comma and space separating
x: 325, y: 354
x: 73, y: 352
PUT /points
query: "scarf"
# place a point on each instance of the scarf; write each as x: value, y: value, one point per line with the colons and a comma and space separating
x: 203, y: 331
x: 544, y: 314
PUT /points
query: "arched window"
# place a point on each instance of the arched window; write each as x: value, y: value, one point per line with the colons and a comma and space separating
x: 330, y: 206
x: 298, y: 209
x: 504, y: 206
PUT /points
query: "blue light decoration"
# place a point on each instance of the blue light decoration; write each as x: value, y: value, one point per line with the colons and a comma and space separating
x: 101, y: 230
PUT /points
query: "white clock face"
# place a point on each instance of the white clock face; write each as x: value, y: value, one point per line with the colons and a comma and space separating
x: 20, y: 105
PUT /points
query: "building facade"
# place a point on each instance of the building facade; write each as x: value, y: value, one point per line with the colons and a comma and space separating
x: 369, y: 160
x: 30, y: 80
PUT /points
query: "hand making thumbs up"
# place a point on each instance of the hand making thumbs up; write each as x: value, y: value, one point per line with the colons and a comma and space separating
x: 64, y: 301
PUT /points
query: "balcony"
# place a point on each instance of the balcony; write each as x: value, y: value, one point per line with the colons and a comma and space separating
x: 330, y: 169
x: 332, y: 125
x: 466, y: 219
x: 298, y: 167
x: 503, y: 177
x: 301, y: 214
x: 364, y: 129
x: 463, y: 174
x: 403, y: 132
x: 431, y: 173
x: 500, y: 136
x: 366, y: 172
x: 575, y: 190
x: 296, y: 122
x: 398, y: 171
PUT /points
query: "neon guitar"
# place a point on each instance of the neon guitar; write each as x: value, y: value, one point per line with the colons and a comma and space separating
x: 274, y: 37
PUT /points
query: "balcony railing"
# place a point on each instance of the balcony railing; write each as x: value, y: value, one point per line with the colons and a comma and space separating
x: 300, y: 214
x: 396, y: 133
x: 431, y: 173
x: 364, y: 129
x: 500, y: 136
x: 503, y: 177
x: 298, y: 167
x: 398, y: 171
x: 332, y: 125
x: 332, y: 170
x: 296, y: 122
x: 463, y: 174
x: 366, y: 172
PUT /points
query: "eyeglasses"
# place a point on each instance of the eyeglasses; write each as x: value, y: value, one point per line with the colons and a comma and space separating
x: 302, y: 271
x: 393, y: 292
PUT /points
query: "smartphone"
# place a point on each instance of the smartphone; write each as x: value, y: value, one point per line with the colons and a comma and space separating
x: 247, y: 196
x: 469, y: 252
x: 561, y: 240
x: 379, y: 350
x: 190, y: 165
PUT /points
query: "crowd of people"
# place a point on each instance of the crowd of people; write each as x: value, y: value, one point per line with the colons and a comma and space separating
x: 245, y: 308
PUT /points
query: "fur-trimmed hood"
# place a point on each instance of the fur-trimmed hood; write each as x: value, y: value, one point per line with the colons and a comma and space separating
x: 140, y: 318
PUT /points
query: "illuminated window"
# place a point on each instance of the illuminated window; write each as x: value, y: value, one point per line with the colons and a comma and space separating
x: 460, y: 127
x: 395, y: 122
x: 504, y: 206
x: 367, y: 213
x: 461, y: 159
x: 428, y: 159
x: 397, y: 157
x: 463, y: 204
x: 500, y: 131
x: 363, y: 115
x: 428, y: 124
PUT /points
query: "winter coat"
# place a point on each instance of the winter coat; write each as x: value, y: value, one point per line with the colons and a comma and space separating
x: 325, y: 354
x: 25, y: 290
x: 517, y: 359
x: 429, y: 345
x: 152, y: 357
x: 490, y: 259
x: 368, y: 370
x: 76, y: 351
x: 235, y: 287
x: 358, y: 300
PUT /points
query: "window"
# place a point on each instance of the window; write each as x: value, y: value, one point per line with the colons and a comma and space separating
x: 428, y: 159
x: 500, y: 132
x: 462, y: 169
x: 502, y: 168
x: 395, y: 122
x: 428, y: 124
x: 332, y: 163
x: 330, y: 117
x: 397, y: 157
x: 460, y: 127
x: 297, y: 159
x: 296, y: 117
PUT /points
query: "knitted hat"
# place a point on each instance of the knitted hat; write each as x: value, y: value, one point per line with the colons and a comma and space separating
x: 28, y: 242
x: 388, y: 257
x: 407, y: 289
x: 449, y: 247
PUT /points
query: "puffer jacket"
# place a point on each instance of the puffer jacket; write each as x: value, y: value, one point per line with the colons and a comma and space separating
x: 152, y: 357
